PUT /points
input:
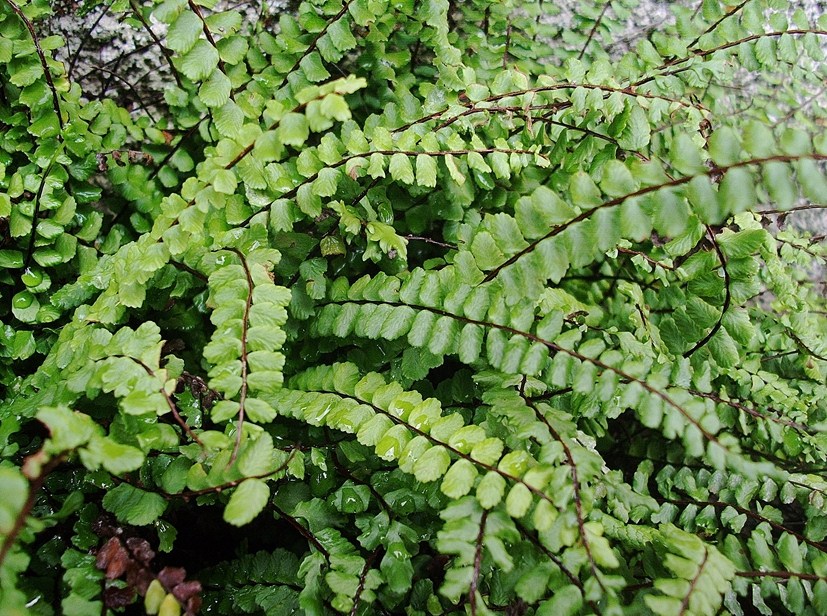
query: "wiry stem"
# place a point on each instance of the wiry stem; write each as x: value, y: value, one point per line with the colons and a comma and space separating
x: 693, y: 583
x: 708, y: 52
x: 727, y: 295
x: 362, y: 579
x: 714, y: 171
x: 39, y: 50
x: 136, y: 9
x: 727, y: 14
x: 475, y: 577
x: 207, y: 33
x: 750, y: 514
x: 170, y: 402
x: 575, y: 481
x: 315, y: 42
x: 36, y: 213
x: 245, y: 324
x: 35, y: 483
x: 304, y: 532
x: 593, y: 31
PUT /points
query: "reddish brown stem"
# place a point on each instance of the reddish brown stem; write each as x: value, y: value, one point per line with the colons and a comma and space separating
x: 475, y: 578
x: 170, y: 402
x: 727, y: 295
x: 714, y: 171
x: 726, y: 15
x: 245, y: 324
x: 136, y: 9
x: 35, y: 483
x: 197, y: 10
x: 315, y: 41
x: 39, y: 50
x: 363, y: 576
x: 593, y: 31
x: 693, y: 584
x: 575, y: 481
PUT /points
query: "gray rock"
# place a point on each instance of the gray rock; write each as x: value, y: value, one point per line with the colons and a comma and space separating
x: 114, y: 56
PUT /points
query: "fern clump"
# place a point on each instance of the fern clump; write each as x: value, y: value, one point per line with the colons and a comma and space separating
x: 416, y: 308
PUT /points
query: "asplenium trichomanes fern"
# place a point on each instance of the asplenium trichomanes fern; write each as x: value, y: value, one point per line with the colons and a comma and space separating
x: 446, y: 307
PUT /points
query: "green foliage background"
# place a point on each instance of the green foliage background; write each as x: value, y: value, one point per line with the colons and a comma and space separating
x: 446, y: 309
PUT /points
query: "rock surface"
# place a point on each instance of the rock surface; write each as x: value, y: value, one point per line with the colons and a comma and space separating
x: 119, y: 57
